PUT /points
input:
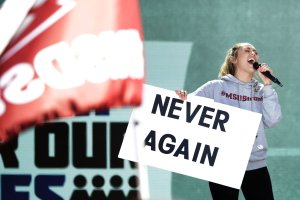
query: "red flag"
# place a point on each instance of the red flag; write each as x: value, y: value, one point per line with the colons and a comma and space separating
x: 71, y: 56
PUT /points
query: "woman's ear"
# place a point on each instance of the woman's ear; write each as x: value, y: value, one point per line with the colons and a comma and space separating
x: 233, y: 59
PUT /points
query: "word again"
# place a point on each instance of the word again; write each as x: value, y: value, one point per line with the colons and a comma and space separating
x: 183, y: 149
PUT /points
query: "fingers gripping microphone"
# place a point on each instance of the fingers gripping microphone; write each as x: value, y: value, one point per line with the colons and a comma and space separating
x: 267, y: 74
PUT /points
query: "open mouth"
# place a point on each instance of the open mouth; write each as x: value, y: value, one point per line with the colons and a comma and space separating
x: 251, y: 60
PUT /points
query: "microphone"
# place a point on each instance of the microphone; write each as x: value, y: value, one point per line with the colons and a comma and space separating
x: 267, y: 74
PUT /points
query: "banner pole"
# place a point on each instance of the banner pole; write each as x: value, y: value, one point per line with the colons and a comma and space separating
x: 142, y: 169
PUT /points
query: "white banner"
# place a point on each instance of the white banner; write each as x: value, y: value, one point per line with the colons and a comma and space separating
x: 196, y: 137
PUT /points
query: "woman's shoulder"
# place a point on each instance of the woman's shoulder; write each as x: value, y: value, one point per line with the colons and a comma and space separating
x: 210, y: 85
x: 214, y: 83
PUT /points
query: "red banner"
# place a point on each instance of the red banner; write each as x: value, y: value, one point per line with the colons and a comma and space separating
x: 70, y: 57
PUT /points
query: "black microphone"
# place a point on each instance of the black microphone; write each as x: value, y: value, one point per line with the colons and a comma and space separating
x: 267, y: 74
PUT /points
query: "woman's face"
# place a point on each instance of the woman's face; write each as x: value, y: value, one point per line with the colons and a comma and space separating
x: 246, y: 56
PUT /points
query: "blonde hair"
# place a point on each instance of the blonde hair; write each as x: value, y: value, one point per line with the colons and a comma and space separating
x: 228, y: 67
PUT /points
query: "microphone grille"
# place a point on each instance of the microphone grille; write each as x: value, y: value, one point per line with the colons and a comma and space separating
x: 256, y: 65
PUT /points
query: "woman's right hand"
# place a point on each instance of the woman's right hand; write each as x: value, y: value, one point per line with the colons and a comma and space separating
x: 182, y: 94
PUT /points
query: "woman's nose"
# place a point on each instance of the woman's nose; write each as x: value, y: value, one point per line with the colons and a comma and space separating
x: 253, y: 53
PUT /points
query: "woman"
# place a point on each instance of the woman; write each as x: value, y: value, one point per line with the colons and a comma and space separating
x: 237, y: 87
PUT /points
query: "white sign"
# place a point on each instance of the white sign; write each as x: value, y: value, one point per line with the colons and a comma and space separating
x: 196, y: 137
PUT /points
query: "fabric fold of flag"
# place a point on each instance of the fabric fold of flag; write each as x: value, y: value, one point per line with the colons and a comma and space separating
x: 70, y: 57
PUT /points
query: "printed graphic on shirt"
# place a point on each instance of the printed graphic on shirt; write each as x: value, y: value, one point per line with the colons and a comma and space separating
x: 239, y: 97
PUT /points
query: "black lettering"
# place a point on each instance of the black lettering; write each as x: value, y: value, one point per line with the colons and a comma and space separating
x: 44, y: 182
x: 205, y: 115
x: 162, y: 105
x: 219, y: 121
x: 183, y: 149
x: 170, y: 146
x: 207, y: 154
x: 8, y: 154
x: 196, y: 153
x: 150, y: 140
x: 117, y: 131
x: 9, y: 183
x: 80, y: 158
x: 60, y: 130
x: 190, y: 116
x: 174, y: 107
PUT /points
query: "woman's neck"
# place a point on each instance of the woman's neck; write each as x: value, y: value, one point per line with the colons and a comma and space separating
x: 244, y: 77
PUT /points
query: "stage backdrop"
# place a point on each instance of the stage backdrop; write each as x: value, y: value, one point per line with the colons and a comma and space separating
x: 186, y: 42
x: 213, y: 27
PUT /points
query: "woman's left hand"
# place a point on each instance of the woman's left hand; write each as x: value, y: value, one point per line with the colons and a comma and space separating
x: 182, y: 94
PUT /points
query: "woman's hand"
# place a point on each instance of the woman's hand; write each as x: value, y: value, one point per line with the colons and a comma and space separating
x: 182, y: 94
x: 263, y: 68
